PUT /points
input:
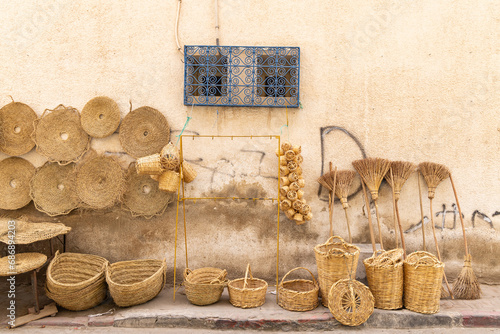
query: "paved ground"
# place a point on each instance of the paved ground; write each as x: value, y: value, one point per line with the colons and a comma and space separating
x: 164, y: 312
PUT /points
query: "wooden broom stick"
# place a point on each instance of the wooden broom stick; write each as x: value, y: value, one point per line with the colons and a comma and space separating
x: 394, y: 209
x: 372, y: 234
x: 332, y: 196
x: 421, y: 211
x: 399, y: 219
x: 460, y: 215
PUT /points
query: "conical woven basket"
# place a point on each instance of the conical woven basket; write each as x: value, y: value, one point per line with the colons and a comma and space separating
x: 100, y: 117
x: 336, y: 260
x: 169, y: 181
x: 135, y: 282
x: 150, y: 165
x: 15, y: 176
x: 16, y: 127
x: 204, y: 286
x: 188, y: 172
x: 23, y: 263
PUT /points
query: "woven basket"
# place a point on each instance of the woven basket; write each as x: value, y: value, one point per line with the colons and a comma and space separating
x: 188, y: 172
x: 350, y: 302
x: 76, y: 281
x: 150, y: 165
x: 27, y: 233
x: 169, y: 181
x: 331, y: 259
x: 423, y: 276
x: 204, y: 286
x: 170, y: 157
x: 385, y: 278
x: 24, y: 262
x: 135, y: 282
x: 16, y: 126
x: 298, y: 294
x: 247, y: 292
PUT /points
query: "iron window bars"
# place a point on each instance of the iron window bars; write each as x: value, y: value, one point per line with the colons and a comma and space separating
x: 243, y: 76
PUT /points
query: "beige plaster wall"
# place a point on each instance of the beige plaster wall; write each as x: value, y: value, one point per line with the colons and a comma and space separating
x: 406, y: 80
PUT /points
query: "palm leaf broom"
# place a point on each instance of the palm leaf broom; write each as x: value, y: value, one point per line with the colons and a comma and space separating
x: 342, y: 188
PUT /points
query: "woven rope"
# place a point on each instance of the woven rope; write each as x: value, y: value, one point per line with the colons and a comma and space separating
x: 247, y: 292
x: 100, y: 117
x: 350, y: 302
x: 23, y: 263
x: 298, y: 294
x: 53, y: 189
x: 15, y: 176
x: 144, y: 131
x: 100, y: 182
x: 135, y: 282
x: 204, y: 286
x: 16, y: 127
x: 59, y: 135
x: 143, y: 197
x: 27, y: 233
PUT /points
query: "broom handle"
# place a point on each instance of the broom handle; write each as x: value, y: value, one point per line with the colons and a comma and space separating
x: 378, y: 224
x: 330, y: 212
x: 460, y: 215
x: 348, y: 227
x: 421, y: 209
x: 437, y: 248
x: 394, y: 210
x: 401, y: 231
x: 333, y: 197
x: 372, y: 236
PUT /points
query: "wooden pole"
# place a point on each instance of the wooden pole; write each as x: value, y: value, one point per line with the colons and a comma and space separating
x: 372, y: 236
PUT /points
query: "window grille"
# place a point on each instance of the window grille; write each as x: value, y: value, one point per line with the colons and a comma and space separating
x: 244, y: 76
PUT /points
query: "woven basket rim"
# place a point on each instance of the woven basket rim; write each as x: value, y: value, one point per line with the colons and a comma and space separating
x: 193, y: 273
x: 336, y: 252
x: 162, y: 263
x: 436, y: 263
x: 82, y: 283
x: 231, y: 283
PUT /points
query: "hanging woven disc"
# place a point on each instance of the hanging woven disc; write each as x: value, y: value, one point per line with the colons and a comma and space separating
x: 15, y: 176
x: 144, y: 131
x: 100, y: 182
x: 142, y: 196
x: 16, y: 127
x: 53, y: 189
x: 100, y: 117
x: 59, y: 135
x: 350, y: 302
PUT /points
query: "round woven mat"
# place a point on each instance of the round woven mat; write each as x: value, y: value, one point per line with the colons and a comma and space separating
x: 24, y: 262
x: 27, y: 233
x: 59, y: 135
x: 100, y: 182
x: 15, y: 176
x: 16, y: 127
x: 53, y: 189
x: 350, y: 302
x: 144, y: 131
x: 100, y: 117
x: 142, y: 196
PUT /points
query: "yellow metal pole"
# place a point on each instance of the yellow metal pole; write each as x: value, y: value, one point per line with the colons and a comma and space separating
x: 278, y: 225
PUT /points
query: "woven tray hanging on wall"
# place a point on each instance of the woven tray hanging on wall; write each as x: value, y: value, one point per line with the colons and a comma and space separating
x: 100, y: 182
x: 53, y: 189
x: 16, y: 127
x: 144, y: 131
x: 100, y: 117
x: 27, y: 233
x: 59, y: 135
x: 15, y: 176
x: 142, y: 196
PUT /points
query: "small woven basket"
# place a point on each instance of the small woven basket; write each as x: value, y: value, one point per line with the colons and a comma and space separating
x: 385, y: 278
x: 204, y: 286
x: 423, y: 276
x: 247, y: 292
x: 188, y: 172
x: 331, y: 259
x: 76, y: 281
x: 135, y: 282
x: 169, y: 181
x: 150, y: 165
x: 170, y: 157
x: 350, y: 302
x: 298, y: 294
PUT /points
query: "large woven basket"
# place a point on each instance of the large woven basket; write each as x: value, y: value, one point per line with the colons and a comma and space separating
x: 247, y: 292
x: 423, y: 276
x: 331, y: 259
x: 385, y: 278
x: 135, y: 282
x: 76, y: 281
x: 204, y: 286
x: 298, y: 294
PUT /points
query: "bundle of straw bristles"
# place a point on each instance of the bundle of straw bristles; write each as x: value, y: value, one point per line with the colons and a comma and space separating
x: 292, y: 201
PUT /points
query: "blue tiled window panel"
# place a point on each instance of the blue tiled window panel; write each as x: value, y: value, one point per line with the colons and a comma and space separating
x: 242, y: 76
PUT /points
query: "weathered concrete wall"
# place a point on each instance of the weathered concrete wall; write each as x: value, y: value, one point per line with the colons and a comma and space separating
x: 416, y: 81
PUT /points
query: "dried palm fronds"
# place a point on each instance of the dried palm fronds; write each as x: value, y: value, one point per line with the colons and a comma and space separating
x: 342, y: 188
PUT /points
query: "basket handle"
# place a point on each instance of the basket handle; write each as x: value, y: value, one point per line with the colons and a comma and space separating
x: 220, y: 279
x: 314, y: 279
x: 187, y: 271
x: 247, y: 272
x: 332, y: 238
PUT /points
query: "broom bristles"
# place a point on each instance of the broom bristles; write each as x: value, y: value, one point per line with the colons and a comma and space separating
x: 433, y: 174
x: 324, y: 183
x: 401, y: 170
x: 343, y: 185
x: 466, y: 286
x: 372, y: 171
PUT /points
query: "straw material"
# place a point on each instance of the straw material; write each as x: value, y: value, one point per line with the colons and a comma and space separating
x: 100, y: 182
x: 59, y: 135
x: 372, y: 171
x: 433, y: 174
x: 343, y: 185
x: 385, y: 278
x: 76, y: 281
x: 247, y: 292
x: 16, y: 127
x: 298, y: 294
x: 135, y: 282
x: 204, y: 286
x: 401, y: 171
x: 142, y: 196
x: 188, y: 172
x: 331, y: 259
x: 23, y: 263
x: 423, y: 274
x: 15, y: 176
x: 100, y: 117
x: 169, y: 181
x: 350, y: 302
x: 53, y: 189
x: 143, y: 132
x: 466, y: 286
x: 150, y: 165
x: 27, y: 233
x: 170, y: 157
